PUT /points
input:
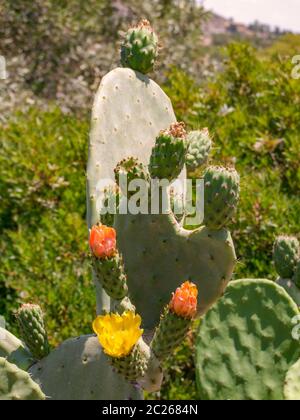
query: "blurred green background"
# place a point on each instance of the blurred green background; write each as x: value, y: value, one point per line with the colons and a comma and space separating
x: 238, y: 84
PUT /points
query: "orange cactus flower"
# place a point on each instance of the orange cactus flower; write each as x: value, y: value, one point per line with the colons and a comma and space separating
x: 184, y: 300
x: 103, y: 241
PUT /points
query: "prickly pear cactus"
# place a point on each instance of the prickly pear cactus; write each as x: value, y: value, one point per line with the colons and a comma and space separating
x: 245, y: 345
x: 16, y: 384
x: 144, y: 258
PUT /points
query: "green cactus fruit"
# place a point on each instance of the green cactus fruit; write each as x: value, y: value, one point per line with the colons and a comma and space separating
x: 111, y: 274
x: 16, y: 384
x: 31, y: 322
x: 78, y: 370
x: 291, y: 289
x: 169, y: 334
x: 110, y: 206
x: 292, y: 383
x: 130, y: 169
x: 134, y: 366
x: 222, y: 190
x: 168, y: 155
x: 199, y: 147
x: 139, y: 49
x: 296, y: 278
x: 14, y: 351
x: 245, y: 345
x: 286, y: 255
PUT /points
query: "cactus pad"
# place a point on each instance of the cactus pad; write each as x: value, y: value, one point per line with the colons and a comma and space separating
x: 245, y: 345
x: 292, y: 383
x: 16, y: 384
x: 78, y: 370
x: 14, y: 351
x: 159, y: 255
x: 286, y: 255
x: 199, y: 146
x: 221, y: 196
x: 129, y: 111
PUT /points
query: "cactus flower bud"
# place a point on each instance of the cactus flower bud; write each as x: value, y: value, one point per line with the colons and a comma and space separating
x: 184, y: 300
x: 103, y: 241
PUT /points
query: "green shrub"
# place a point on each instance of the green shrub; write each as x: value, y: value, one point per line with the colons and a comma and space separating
x: 43, y: 245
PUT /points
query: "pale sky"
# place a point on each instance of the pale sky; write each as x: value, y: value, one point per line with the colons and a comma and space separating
x: 282, y: 13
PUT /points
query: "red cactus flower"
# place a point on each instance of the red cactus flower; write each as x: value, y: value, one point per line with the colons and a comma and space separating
x: 184, y: 300
x: 102, y: 241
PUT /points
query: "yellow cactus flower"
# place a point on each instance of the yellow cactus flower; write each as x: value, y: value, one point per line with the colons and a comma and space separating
x: 118, y: 334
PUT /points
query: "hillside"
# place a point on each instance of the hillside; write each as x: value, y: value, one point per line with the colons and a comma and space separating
x: 218, y: 30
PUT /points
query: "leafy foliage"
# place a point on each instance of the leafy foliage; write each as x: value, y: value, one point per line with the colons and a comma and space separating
x: 43, y: 244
